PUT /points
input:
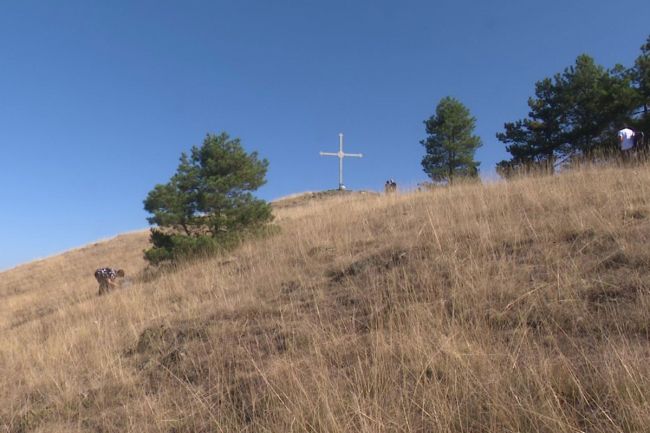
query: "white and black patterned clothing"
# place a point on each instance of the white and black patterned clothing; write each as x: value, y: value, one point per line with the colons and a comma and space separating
x: 104, y: 274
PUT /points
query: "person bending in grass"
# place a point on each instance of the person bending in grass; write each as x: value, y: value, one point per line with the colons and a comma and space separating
x: 106, y: 278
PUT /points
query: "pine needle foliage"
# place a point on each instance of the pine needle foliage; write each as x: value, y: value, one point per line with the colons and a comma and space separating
x: 208, y: 204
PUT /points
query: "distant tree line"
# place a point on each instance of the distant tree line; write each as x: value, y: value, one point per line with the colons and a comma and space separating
x: 576, y: 113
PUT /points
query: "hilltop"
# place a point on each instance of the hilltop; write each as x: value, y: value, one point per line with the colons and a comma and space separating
x: 304, y: 198
x: 514, y: 306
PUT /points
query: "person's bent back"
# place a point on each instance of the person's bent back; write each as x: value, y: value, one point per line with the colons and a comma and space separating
x: 106, y: 278
x: 626, y: 139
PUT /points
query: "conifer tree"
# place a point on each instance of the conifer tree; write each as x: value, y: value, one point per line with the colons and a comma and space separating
x: 641, y: 75
x: 575, y: 113
x: 450, y: 144
x: 208, y: 203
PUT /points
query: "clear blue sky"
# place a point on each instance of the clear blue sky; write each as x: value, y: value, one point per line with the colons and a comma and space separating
x: 98, y: 99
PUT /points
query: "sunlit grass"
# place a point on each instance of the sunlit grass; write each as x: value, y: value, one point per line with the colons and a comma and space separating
x: 518, y: 306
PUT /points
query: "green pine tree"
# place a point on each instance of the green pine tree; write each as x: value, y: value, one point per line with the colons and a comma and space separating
x: 641, y: 76
x: 450, y: 144
x: 574, y: 114
x: 207, y: 204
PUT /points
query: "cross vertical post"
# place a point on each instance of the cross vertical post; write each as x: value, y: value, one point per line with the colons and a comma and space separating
x: 341, y: 185
x: 340, y: 154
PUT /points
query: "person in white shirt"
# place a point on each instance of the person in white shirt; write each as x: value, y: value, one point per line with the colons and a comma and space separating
x: 626, y: 139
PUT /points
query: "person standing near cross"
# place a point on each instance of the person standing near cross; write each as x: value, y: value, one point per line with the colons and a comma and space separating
x: 340, y: 154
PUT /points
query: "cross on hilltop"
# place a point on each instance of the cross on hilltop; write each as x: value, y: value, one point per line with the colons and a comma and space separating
x: 340, y: 154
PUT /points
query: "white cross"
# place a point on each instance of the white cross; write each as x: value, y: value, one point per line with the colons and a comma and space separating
x: 341, y: 155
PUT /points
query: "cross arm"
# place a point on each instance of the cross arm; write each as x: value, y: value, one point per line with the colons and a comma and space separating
x: 329, y: 154
x: 356, y: 155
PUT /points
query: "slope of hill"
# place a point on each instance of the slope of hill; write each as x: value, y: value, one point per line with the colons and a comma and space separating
x: 519, y: 306
x: 42, y: 287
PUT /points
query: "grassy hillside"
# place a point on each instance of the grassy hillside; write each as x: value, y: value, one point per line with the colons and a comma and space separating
x: 44, y: 287
x: 519, y: 306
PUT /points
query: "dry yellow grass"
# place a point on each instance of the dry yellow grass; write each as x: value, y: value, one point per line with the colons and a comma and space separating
x: 42, y: 287
x: 516, y: 307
